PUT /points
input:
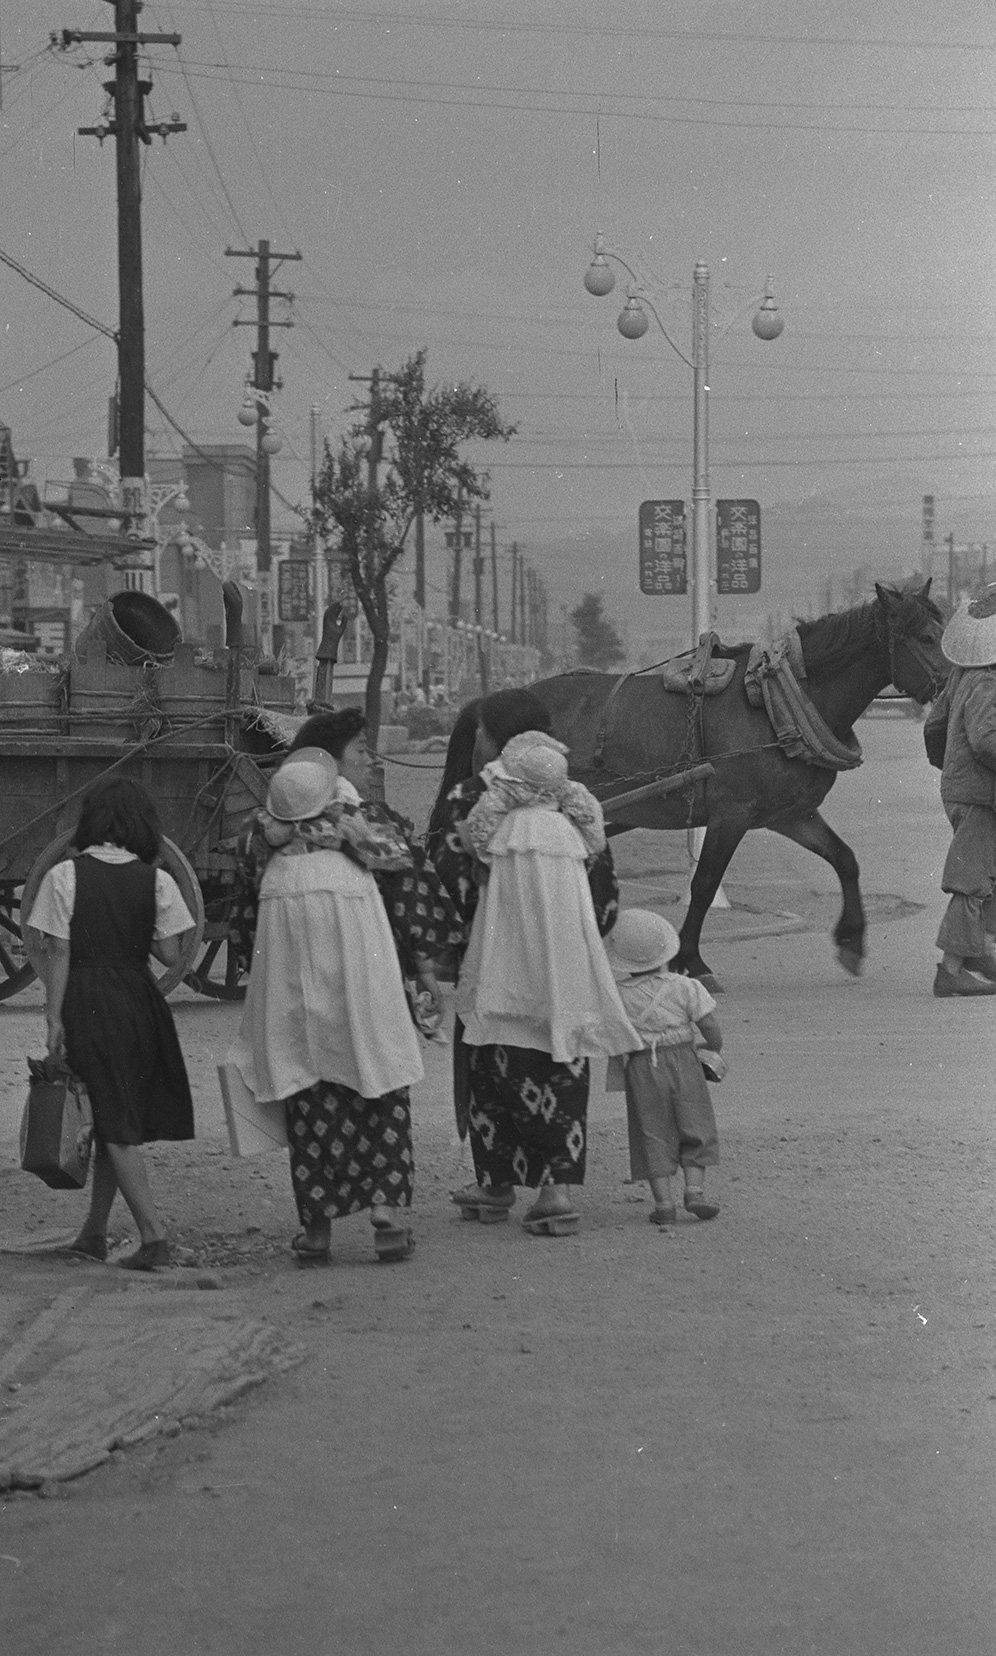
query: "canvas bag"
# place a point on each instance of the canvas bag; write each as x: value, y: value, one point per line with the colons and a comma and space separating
x: 57, y: 1126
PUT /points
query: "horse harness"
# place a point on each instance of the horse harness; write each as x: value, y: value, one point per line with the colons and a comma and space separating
x: 775, y: 679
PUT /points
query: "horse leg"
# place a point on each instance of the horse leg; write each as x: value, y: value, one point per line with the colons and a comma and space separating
x: 814, y: 834
x: 721, y: 840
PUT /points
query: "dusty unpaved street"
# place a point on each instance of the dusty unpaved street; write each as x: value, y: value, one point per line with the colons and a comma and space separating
x: 769, y: 1434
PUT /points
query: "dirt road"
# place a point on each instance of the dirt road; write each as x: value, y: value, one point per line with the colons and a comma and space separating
x: 772, y: 1433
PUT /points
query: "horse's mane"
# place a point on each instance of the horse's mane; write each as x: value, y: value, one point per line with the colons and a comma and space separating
x: 832, y: 639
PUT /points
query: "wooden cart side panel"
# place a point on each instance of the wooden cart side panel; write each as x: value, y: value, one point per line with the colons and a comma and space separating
x: 203, y: 799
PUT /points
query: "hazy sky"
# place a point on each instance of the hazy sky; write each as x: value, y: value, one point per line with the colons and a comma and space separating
x: 443, y: 168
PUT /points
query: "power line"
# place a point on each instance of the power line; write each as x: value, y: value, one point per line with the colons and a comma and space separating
x: 613, y: 31
x: 336, y: 78
x: 604, y: 111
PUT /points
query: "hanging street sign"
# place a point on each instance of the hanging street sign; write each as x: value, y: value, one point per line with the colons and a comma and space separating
x: 738, y: 546
x: 294, y: 589
x: 663, y: 554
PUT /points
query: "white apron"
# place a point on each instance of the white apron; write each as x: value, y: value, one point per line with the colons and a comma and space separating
x: 325, y: 1000
x: 536, y: 973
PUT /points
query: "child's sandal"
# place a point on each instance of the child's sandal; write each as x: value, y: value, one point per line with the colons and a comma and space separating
x: 664, y: 1217
x: 703, y: 1207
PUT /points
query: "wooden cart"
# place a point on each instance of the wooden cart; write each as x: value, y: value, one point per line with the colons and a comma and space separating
x: 190, y: 732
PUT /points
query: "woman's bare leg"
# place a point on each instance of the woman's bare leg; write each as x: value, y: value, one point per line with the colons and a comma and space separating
x: 132, y: 1177
x: 103, y: 1189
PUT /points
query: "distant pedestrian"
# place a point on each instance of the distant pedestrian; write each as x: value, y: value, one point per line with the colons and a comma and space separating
x: 960, y: 736
x: 672, y: 1125
x: 101, y: 914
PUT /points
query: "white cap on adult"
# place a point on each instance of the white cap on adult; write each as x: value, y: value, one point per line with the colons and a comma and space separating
x: 969, y: 639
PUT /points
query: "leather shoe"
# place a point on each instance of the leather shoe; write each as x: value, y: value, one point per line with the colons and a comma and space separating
x: 983, y: 966
x: 960, y: 983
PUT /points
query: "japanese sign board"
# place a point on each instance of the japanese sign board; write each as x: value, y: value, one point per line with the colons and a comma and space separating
x: 663, y: 554
x: 294, y: 589
x: 738, y: 546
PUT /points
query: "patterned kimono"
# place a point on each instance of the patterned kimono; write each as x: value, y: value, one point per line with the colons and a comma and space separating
x: 526, y: 1112
x: 349, y: 1151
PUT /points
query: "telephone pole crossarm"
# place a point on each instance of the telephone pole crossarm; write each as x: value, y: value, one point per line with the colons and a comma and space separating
x: 124, y: 37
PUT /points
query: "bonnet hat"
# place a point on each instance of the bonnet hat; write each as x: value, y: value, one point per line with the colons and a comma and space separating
x: 969, y: 639
x: 301, y: 790
x: 312, y: 756
x: 537, y: 758
x: 640, y: 941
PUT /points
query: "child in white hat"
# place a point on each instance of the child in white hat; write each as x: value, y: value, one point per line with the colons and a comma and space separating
x: 531, y: 772
x: 668, y: 1109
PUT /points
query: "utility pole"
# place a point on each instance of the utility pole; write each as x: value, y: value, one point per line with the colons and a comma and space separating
x: 482, y: 672
x: 128, y: 127
x: 264, y: 363
x: 319, y: 617
x: 494, y: 577
x: 524, y: 575
x: 513, y: 618
x: 457, y: 554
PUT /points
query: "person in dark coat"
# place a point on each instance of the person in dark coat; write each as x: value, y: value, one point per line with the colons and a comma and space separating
x: 100, y: 914
x: 960, y: 737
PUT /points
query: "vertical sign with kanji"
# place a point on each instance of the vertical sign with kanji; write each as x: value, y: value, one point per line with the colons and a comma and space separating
x: 294, y: 589
x: 663, y: 558
x: 738, y: 546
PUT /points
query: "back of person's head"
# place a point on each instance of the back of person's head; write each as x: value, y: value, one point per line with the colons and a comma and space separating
x: 331, y: 731
x: 117, y: 811
x: 509, y: 713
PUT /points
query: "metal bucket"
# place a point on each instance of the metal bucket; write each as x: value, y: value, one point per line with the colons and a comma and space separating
x: 133, y: 629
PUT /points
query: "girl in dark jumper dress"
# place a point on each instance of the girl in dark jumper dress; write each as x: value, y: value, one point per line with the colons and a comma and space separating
x: 100, y: 915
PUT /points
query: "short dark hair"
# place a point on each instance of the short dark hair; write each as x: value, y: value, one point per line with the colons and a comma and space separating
x: 331, y: 731
x: 509, y: 713
x: 117, y: 811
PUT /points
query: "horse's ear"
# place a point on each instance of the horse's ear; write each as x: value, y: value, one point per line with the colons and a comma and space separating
x: 887, y: 596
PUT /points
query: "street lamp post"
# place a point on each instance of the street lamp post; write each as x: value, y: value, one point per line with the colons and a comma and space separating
x: 633, y: 324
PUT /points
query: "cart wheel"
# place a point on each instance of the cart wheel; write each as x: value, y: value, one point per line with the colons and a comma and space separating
x: 16, y: 970
x: 173, y: 861
x: 217, y: 973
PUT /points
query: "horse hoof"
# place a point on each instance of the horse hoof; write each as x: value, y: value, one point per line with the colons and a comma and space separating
x: 851, y: 960
x: 708, y: 981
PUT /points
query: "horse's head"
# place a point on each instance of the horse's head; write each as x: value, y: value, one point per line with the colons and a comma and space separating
x: 913, y: 625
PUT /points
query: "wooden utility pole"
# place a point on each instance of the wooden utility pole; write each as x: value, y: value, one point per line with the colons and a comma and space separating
x: 494, y: 577
x: 457, y: 557
x: 129, y: 128
x: 513, y: 629
x: 482, y: 660
x: 264, y: 363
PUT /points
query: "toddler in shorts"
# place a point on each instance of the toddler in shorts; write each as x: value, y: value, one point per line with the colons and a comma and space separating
x: 668, y: 1108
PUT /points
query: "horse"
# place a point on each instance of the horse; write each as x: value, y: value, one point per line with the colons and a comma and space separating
x: 625, y: 729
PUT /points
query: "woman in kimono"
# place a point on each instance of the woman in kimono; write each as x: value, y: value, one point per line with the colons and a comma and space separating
x: 536, y: 998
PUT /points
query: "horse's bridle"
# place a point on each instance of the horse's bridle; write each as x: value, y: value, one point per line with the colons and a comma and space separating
x: 918, y: 652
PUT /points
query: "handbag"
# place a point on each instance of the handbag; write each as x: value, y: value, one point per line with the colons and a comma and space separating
x: 57, y: 1126
x: 254, y: 1127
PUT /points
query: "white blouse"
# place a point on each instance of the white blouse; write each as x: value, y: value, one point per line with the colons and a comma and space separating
x: 53, y: 907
